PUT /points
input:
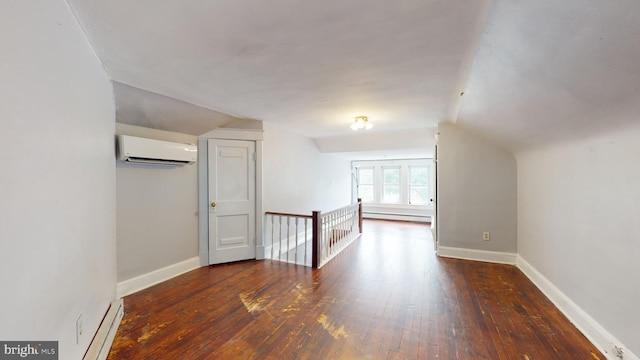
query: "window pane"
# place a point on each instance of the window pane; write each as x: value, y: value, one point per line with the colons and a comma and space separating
x: 365, y: 192
x: 365, y: 185
x: 419, y: 195
x: 365, y: 176
x: 419, y: 185
x: 391, y: 185
x: 391, y: 194
x: 419, y: 176
x: 391, y: 176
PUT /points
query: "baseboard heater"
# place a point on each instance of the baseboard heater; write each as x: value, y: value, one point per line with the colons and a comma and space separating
x: 396, y: 216
x: 101, y: 344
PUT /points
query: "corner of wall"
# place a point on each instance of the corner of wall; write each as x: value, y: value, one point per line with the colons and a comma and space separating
x: 156, y: 210
x: 477, y: 192
x: 157, y: 276
x: 477, y: 255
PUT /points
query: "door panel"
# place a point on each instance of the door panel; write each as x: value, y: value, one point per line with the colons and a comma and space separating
x: 232, y: 200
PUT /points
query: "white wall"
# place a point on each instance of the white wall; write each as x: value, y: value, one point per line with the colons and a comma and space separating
x: 578, y: 225
x: 476, y: 192
x: 157, y: 210
x: 297, y: 178
x: 57, y: 236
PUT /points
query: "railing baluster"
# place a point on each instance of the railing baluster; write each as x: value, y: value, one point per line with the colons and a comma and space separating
x: 280, y: 238
x: 334, y: 224
x: 324, y: 237
x: 342, y: 227
x: 329, y: 226
x: 339, y: 226
x: 356, y: 221
x: 347, y: 229
x: 272, y: 244
x: 288, y: 236
x: 306, y: 240
x: 296, y: 252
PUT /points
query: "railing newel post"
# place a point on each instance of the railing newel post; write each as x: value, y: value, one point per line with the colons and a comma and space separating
x: 316, y: 231
x: 360, y: 215
x: 306, y: 240
x: 296, y: 244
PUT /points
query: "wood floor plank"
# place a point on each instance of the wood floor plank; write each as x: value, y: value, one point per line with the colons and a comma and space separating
x: 388, y: 296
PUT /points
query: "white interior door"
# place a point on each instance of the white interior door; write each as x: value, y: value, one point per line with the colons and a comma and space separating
x: 232, y: 200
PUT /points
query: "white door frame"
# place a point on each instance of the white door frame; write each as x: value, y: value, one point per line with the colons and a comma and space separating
x: 203, y: 186
x: 434, y: 198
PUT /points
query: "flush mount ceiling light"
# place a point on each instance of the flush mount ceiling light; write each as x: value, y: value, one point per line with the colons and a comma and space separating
x: 361, y: 122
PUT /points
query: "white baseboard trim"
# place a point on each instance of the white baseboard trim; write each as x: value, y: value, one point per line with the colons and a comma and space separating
x: 477, y: 255
x: 101, y: 343
x: 128, y: 287
x: 591, y: 329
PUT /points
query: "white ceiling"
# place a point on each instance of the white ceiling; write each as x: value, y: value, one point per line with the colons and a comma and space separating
x: 549, y: 70
x: 532, y: 71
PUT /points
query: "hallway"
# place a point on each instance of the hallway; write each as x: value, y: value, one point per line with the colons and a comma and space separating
x: 388, y: 296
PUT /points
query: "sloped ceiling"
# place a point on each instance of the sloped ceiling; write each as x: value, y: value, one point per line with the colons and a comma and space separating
x: 139, y: 107
x: 522, y: 72
x: 548, y: 71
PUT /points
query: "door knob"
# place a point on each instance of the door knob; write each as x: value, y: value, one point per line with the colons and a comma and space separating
x: 213, y: 204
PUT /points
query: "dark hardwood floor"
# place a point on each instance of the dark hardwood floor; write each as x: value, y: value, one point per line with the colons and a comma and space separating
x: 388, y: 296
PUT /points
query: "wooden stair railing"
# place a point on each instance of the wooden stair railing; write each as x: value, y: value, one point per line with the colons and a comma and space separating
x: 293, y: 236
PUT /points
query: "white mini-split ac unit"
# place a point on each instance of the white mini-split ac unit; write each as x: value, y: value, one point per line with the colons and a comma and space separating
x: 149, y: 151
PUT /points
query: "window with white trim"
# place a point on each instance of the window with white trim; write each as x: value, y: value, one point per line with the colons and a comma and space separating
x: 419, y: 185
x: 393, y: 182
x: 365, y: 181
x: 391, y: 185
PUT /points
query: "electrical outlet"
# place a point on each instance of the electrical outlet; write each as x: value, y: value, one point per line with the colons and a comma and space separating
x: 486, y: 236
x: 79, y: 328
